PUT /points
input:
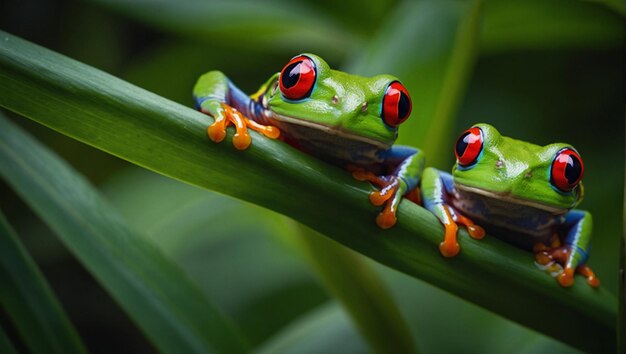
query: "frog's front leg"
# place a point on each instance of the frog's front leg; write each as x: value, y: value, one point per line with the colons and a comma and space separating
x: 436, y: 188
x: 403, y: 180
x: 216, y: 96
x: 572, y: 253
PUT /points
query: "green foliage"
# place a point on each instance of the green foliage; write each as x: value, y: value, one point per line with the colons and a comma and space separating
x: 30, y: 303
x: 361, y: 292
x: 153, y: 291
x: 5, y: 344
x: 539, y: 70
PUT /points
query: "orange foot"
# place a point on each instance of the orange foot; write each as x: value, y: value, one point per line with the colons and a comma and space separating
x: 558, y: 254
x: 390, y: 192
x: 450, y: 246
x: 241, y: 140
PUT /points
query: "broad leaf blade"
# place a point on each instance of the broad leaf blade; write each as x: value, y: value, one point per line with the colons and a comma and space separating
x: 167, y: 306
x: 27, y: 298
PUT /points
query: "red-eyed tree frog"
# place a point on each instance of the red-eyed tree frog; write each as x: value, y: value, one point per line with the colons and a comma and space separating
x: 347, y: 120
x: 518, y: 191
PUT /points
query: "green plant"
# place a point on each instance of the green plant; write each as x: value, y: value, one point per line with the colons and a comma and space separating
x: 158, y: 288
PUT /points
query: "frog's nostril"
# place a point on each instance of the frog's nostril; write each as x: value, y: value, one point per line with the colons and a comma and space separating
x: 499, y: 164
x: 335, y: 99
x: 364, y: 107
x: 528, y: 174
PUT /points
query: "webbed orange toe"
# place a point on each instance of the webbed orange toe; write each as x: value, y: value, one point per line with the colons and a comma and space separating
x: 241, y: 140
x: 389, y: 194
x: 449, y: 249
x: 592, y: 280
x: 216, y: 133
x: 475, y: 231
x: 566, y: 278
x: 385, y: 220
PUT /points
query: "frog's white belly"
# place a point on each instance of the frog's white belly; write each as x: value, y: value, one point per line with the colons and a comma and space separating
x: 517, y: 222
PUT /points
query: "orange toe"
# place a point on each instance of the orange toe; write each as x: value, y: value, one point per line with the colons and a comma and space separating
x: 377, y: 199
x: 216, y: 133
x: 593, y: 281
x: 241, y: 141
x: 272, y: 132
x: 449, y: 249
x: 566, y: 278
x: 476, y: 231
x: 385, y: 220
x: 543, y: 258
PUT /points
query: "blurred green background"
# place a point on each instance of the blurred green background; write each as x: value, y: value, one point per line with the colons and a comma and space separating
x: 544, y: 71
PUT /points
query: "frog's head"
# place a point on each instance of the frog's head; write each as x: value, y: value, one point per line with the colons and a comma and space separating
x: 546, y: 177
x: 308, y: 93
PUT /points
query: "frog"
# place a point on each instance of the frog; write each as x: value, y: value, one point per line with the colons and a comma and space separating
x: 347, y: 120
x: 518, y: 191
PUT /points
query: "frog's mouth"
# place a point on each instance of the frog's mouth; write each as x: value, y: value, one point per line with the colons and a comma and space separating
x: 326, y: 129
x: 507, y: 197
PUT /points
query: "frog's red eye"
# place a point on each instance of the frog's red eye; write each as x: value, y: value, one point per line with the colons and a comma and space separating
x: 468, y: 147
x: 566, y: 170
x: 297, y: 78
x: 396, y: 104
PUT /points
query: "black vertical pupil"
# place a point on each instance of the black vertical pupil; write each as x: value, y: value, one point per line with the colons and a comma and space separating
x: 573, y: 169
x: 461, y: 144
x: 291, y: 74
x: 404, y: 105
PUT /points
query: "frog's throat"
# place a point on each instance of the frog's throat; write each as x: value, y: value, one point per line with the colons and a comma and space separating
x: 326, y: 128
x: 513, y: 199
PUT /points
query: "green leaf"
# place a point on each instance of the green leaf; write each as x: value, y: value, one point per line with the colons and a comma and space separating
x: 156, y: 294
x: 266, y: 283
x: 275, y: 24
x: 27, y: 298
x: 439, y: 321
x: 551, y: 24
x: 169, y: 138
x: 360, y: 291
x: 621, y: 322
x: 5, y: 344
x: 327, y: 329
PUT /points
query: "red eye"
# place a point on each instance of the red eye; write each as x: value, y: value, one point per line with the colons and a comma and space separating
x: 468, y: 147
x: 396, y: 104
x: 297, y: 78
x: 567, y: 170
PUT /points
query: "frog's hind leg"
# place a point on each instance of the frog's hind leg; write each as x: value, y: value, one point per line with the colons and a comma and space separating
x: 560, y: 255
x: 415, y: 195
x: 388, y: 195
x: 571, y: 253
x: 408, y: 165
